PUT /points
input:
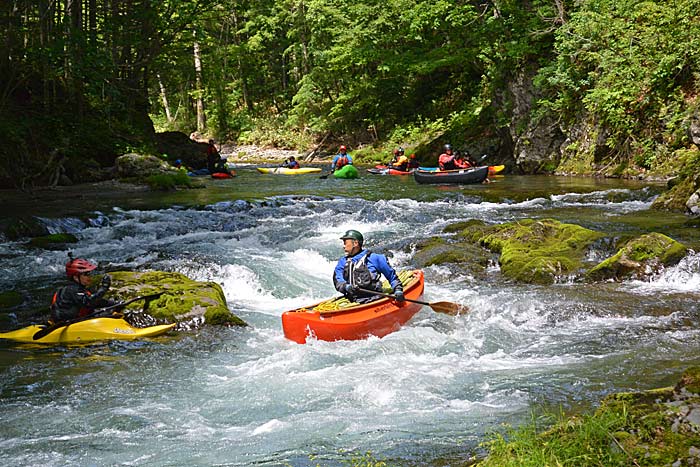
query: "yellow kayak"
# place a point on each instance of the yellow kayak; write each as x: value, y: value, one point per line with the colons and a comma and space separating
x: 496, y: 169
x: 96, y: 329
x: 287, y: 171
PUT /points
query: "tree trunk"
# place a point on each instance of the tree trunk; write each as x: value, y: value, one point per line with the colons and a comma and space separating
x: 164, y: 98
x: 201, y: 117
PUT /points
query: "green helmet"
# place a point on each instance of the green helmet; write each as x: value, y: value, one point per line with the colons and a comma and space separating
x: 353, y: 235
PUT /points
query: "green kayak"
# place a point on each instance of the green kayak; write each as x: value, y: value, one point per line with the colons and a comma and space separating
x: 347, y: 171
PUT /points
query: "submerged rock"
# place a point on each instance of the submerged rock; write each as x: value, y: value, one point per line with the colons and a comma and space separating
x: 184, y: 299
x: 53, y: 241
x: 640, y: 257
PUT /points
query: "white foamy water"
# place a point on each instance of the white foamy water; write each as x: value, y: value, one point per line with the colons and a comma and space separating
x: 248, y: 396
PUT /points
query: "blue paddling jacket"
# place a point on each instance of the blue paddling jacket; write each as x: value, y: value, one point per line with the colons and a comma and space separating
x: 364, y: 270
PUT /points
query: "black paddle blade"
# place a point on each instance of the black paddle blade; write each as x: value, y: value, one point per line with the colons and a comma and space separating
x: 46, y: 331
x: 449, y: 308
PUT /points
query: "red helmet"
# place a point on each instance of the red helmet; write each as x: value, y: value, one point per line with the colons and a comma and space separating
x: 79, y: 266
x: 343, y: 148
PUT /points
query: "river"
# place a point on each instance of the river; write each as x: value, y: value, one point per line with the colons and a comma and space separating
x: 425, y: 395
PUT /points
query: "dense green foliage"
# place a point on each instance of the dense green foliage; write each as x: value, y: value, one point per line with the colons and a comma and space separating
x: 634, y: 68
x: 82, y: 82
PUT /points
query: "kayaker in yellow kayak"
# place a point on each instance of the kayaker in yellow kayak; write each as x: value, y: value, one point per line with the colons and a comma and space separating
x: 362, y: 269
x: 75, y: 300
x: 291, y: 163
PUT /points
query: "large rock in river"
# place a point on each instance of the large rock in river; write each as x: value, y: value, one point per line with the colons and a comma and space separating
x: 184, y: 299
x: 640, y: 257
x: 535, y: 250
x: 139, y: 166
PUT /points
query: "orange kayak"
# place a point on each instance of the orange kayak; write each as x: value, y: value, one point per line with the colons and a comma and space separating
x: 339, y: 319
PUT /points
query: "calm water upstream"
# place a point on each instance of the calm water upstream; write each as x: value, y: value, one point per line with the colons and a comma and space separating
x: 241, y: 397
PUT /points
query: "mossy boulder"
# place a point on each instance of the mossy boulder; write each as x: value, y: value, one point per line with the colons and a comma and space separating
x: 659, y: 427
x: 685, y: 185
x: 184, y: 299
x: 639, y: 258
x: 532, y: 250
x: 9, y: 299
x: 439, y: 250
x: 53, y: 241
x: 15, y: 228
x: 140, y: 166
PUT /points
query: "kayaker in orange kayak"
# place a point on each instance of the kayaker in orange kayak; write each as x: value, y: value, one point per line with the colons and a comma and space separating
x: 362, y: 269
x: 76, y: 300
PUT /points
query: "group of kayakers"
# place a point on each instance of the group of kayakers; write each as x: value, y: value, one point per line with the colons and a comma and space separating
x: 357, y: 275
x: 448, y: 160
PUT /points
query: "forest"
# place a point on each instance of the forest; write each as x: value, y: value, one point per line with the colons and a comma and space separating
x: 577, y: 86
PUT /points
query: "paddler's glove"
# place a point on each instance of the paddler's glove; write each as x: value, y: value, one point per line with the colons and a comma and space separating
x: 398, y: 292
x: 106, y: 281
x: 350, y: 289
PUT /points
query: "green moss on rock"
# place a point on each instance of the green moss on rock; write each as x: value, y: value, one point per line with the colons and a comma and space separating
x: 10, y: 299
x: 646, y: 429
x: 640, y: 257
x: 183, y: 300
x: 16, y: 228
x: 53, y: 240
x: 537, y: 251
x: 439, y: 251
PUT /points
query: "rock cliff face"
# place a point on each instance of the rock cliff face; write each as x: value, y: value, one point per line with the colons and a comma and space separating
x: 537, y: 142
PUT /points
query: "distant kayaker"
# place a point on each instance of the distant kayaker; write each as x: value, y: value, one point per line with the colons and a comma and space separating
x: 341, y: 159
x: 362, y: 269
x: 461, y: 162
x: 446, y: 161
x: 75, y: 300
x: 413, y: 162
x: 215, y: 163
x: 401, y: 162
x: 291, y: 163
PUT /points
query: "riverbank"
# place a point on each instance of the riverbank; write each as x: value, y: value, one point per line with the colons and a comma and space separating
x: 659, y: 427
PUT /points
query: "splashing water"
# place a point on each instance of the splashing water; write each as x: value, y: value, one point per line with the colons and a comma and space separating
x: 247, y: 396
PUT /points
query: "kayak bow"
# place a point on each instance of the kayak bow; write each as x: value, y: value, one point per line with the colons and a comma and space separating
x: 339, y: 319
x: 96, y: 329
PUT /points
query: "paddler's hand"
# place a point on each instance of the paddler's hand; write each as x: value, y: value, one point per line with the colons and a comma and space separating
x: 106, y: 281
x: 399, y: 296
x: 350, y: 289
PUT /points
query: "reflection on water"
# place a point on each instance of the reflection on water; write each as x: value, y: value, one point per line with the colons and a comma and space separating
x: 220, y: 396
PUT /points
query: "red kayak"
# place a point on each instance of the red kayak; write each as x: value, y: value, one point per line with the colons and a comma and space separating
x: 222, y: 175
x: 384, y: 170
x: 339, y: 319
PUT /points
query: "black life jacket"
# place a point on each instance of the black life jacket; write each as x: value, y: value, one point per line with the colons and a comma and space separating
x: 359, y: 275
x: 66, y: 304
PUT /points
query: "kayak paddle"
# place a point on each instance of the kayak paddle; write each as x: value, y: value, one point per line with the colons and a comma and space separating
x: 49, y: 329
x: 448, y: 308
x: 324, y: 176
